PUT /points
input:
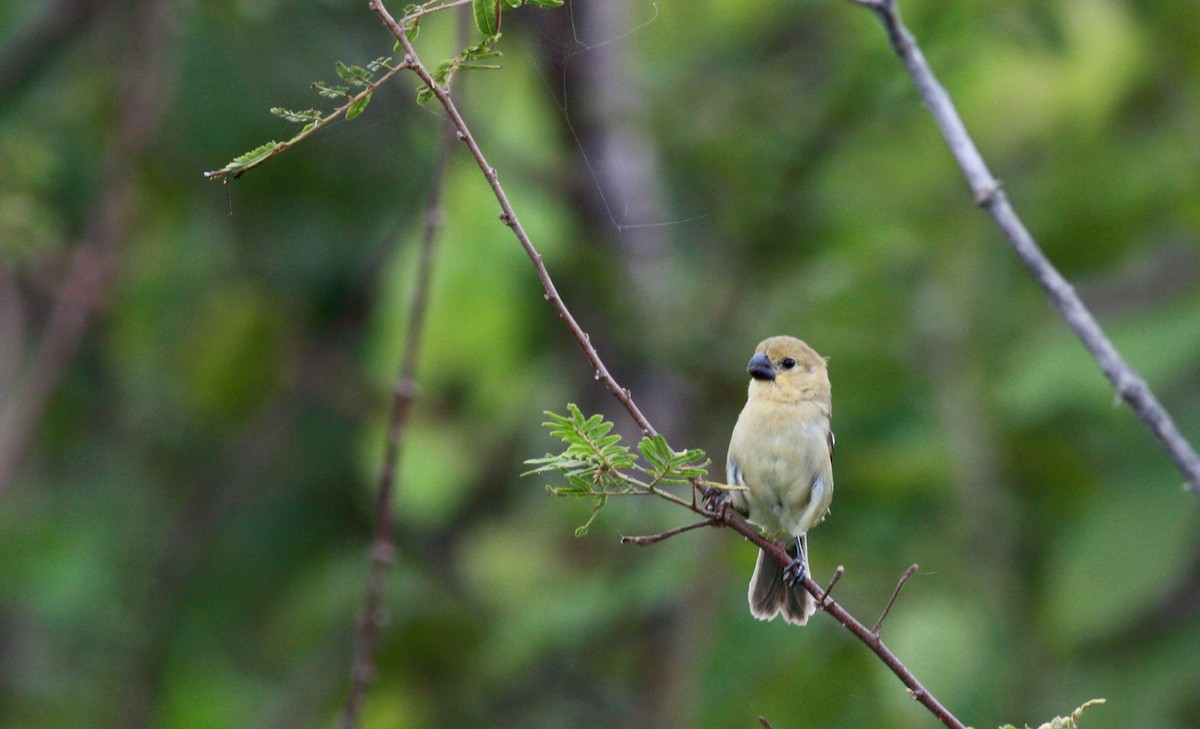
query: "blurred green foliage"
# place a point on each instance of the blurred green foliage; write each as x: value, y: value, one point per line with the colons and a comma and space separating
x: 184, y: 544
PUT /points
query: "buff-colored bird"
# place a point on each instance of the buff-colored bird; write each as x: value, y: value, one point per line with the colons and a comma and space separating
x: 781, y: 451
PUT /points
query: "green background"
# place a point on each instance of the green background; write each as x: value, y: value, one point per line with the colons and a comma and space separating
x: 184, y: 542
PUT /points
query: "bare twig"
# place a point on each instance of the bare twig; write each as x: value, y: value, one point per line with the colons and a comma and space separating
x: 837, y: 576
x: 915, y: 688
x: 509, y: 217
x: 990, y: 196
x: 382, y: 549
x: 908, y: 573
x: 656, y: 538
x: 766, y: 724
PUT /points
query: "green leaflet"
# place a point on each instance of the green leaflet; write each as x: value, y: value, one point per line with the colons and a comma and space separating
x: 487, y: 16
x: 357, y: 107
x: 596, y: 465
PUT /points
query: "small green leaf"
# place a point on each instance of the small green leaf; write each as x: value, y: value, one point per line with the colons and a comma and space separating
x: 596, y: 507
x: 442, y: 72
x: 547, y: 3
x: 331, y: 92
x: 357, y: 107
x: 356, y: 75
x: 308, y: 115
x: 485, y: 48
x: 254, y: 155
x: 487, y: 16
x: 511, y: 4
x: 424, y: 95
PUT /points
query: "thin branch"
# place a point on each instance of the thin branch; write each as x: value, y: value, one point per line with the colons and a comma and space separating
x: 837, y: 576
x: 990, y: 196
x: 237, y: 168
x: 908, y: 573
x: 509, y: 217
x: 762, y: 720
x: 915, y: 688
x: 382, y: 550
x: 432, y: 7
x: 656, y: 538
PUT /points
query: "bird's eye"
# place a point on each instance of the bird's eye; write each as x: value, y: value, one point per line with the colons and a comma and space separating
x: 788, y: 363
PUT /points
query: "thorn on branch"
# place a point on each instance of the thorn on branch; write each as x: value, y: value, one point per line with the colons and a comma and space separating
x: 837, y: 575
x: 895, y: 593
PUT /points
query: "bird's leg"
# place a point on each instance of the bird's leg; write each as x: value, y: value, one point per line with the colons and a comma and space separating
x: 795, y: 572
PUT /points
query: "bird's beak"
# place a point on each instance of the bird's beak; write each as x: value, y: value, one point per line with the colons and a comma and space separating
x: 760, y: 367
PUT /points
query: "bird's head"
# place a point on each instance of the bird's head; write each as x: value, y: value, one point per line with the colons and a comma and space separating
x: 786, y: 369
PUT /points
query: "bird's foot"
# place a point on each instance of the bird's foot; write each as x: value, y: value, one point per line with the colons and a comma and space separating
x: 795, y: 572
x: 717, y: 500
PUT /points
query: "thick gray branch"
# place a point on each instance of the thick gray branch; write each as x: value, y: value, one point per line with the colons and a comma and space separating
x: 989, y: 195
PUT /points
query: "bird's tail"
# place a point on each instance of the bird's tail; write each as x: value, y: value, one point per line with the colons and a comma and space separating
x: 770, y: 594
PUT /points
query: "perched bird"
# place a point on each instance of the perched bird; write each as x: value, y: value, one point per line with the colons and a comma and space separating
x: 781, y: 451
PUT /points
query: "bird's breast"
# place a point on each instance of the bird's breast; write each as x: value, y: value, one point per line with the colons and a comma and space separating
x: 781, y: 452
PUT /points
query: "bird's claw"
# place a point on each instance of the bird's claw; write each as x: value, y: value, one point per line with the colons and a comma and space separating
x: 717, y: 500
x: 795, y: 572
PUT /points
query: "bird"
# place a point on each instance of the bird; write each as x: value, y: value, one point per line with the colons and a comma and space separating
x: 780, y: 463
